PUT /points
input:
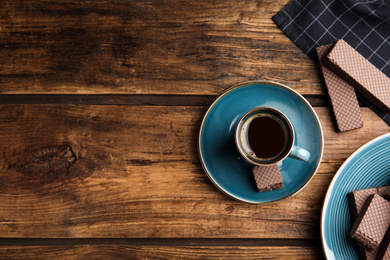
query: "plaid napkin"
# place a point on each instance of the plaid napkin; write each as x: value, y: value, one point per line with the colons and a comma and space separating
x: 363, y: 24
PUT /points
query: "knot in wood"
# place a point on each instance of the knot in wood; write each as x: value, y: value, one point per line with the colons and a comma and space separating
x: 48, y: 161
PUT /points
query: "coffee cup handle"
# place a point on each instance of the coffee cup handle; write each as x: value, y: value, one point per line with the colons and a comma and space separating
x: 299, y: 154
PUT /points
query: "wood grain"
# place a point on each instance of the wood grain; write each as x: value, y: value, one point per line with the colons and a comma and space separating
x: 136, y: 173
x: 146, y: 47
x: 101, y: 104
x: 159, y: 252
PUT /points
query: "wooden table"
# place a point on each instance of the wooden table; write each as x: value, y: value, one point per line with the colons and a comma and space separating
x: 101, y: 104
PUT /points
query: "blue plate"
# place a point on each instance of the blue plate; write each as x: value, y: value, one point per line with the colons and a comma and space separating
x: 368, y: 167
x: 220, y: 157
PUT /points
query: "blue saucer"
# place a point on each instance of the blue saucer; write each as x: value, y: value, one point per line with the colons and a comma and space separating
x: 220, y: 157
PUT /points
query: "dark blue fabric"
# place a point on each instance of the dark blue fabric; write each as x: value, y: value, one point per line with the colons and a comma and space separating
x: 363, y: 24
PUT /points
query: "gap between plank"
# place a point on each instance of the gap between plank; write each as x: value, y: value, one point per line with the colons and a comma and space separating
x: 274, y: 242
x: 128, y: 99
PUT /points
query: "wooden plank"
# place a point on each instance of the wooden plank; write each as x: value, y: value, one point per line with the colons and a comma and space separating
x: 339, y: 146
x: 146, y: 47
x: 159, y: 252
x: 69, y: 171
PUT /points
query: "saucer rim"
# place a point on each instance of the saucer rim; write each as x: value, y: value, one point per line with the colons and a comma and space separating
x: 275, y: 84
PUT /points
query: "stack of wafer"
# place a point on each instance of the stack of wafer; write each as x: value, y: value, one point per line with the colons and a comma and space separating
x: 370, y: 212
x: 345, y: 70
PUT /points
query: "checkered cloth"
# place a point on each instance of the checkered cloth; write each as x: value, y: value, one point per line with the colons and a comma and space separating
x: 363, y: 24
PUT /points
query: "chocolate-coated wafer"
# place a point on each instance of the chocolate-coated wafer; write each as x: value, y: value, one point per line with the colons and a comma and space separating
x: 357, y: 199
x: 362, y: 75
x: 267, y: 177
x: 385, y: 190
x: 384, y: 248
x: 342, y: 96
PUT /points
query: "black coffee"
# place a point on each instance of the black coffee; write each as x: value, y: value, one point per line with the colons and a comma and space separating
x: 266, y: 137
